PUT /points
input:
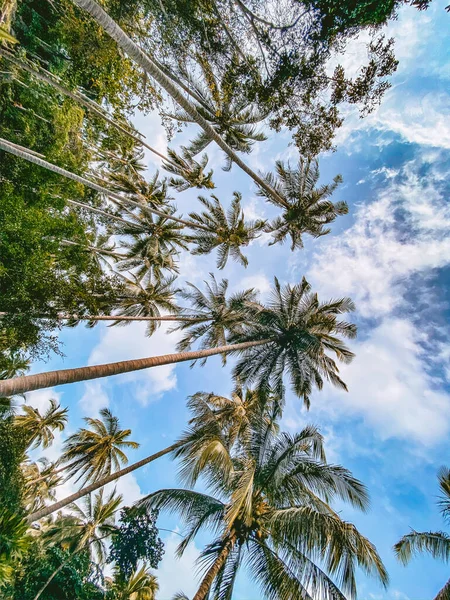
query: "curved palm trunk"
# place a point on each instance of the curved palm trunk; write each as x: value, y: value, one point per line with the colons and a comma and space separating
x: 26, y: 154
x: 149, y: 66
x: 213, y: 571
x: 78, y: 97
x: 172, y: 318
x: 28, y: 383
x: 48, y: 510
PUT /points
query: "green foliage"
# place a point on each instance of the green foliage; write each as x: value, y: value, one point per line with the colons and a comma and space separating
x: 136, y: 539
x: 72, y: 582
x: 13, y: 443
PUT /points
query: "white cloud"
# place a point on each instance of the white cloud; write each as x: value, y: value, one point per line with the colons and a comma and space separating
x: 130, y: 342
x: 390, y: 388
x: 373, y: 259
x: 258, y: 281
x: 94, y: 398
x: 177, y: 574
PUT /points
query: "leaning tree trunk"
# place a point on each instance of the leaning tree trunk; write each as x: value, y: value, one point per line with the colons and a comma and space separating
x: 78, y: 97
x: 75, y: 317
x: 48, y: 510
x: 28, y: 383
x: 213, y: 571
x: 149, y: 66
x: 117, y: 198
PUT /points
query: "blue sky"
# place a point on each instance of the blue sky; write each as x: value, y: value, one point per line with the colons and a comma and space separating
x: 391, y: 254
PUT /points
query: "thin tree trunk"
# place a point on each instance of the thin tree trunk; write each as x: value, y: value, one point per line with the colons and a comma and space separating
x: 78, y: 97
x: 92, y: 248
x: 99, y: 211
x: 56, y: 471
x: 144, y: 61
x: 27, y: 155
x: 64, y: 317
x: 28, y: 383
x: 213, y: 571
x: 53, y: 575
x: 48, y: 510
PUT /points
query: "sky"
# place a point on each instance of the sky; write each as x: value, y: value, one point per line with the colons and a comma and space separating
x: 390, y: 254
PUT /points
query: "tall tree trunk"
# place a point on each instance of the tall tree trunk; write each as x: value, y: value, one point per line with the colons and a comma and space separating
x: 28, y: 383
x: 78, y: 97
x: 99, y: 211
x: 144, y: 61
x: 27, y: 155
x: 48, y: 510
x: 64, y: 317
x: 213, y: 571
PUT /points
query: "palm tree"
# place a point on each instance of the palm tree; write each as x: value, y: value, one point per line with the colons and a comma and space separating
x: 93, y: 452
x: 436, y: 543
x: 212, y: 415
x: 291, y: 336
x: 305, y: 207
x: 151, y: 68
x: 40, y: 484
x: 190, y: 173
x: 141, y: 585
x: 271, y: 512
x: 222, y: 105
x: 227, y: 231
x: 137, y: 301
x: 39, y: 427
x: 85, y: 529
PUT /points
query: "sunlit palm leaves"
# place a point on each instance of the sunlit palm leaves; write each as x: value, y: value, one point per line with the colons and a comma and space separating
x: 139, y: 300
x: 220, y: 102
x: 87, y: 526
x: 436, y: 543
x: 216, y: 314
x: 39, y: 427
x: 96, y: 451
x: 226, y: 231
x: 302, y: 332
x: 275, y: 516
x: 306, y: 209
x: 141, y: 585
x: 190, y: 173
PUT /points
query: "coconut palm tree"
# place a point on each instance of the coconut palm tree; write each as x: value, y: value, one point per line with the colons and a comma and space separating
x: 291, y: 336
x: 137, y: 300
x: 436, y: 543
x: 271, y: 512
x: 141, y: 585
x: 221, y: 103
x: 226, y: 231
x: 306, y: 209
x: 145, y: 61
x: 39, y: 427
x: 86, y: 528
x: 215, y: 315
x: 93, y: 452
x: 190, y: 173
x: 41, y: 481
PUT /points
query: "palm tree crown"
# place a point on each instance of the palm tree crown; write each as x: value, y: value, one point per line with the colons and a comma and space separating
x: 39, y: 427
x: 271, y: 512
x: 306, y: 208
x: 227, y: 231
x: 221, y: 104
x: 300, y: 332
x: 93, y: 453
x: 436, y: 543
x: 190, y: 173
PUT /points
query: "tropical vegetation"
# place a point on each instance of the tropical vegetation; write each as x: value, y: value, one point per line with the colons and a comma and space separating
x: 90, y: 235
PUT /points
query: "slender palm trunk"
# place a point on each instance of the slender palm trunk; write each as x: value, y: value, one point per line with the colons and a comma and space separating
x: 144, y: 61
x: 91, y: 248
x: 99, y: 211
x: 53, y: 575
x: 30, y: 157
x: 56, y: 471
x: 64, y: 317
x: 28, y: 383
x: 213, y: 571
x: 48, y: 510
x: 78, y: 97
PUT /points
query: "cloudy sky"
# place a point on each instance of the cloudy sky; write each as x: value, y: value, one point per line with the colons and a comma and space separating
x: 391, y: 254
